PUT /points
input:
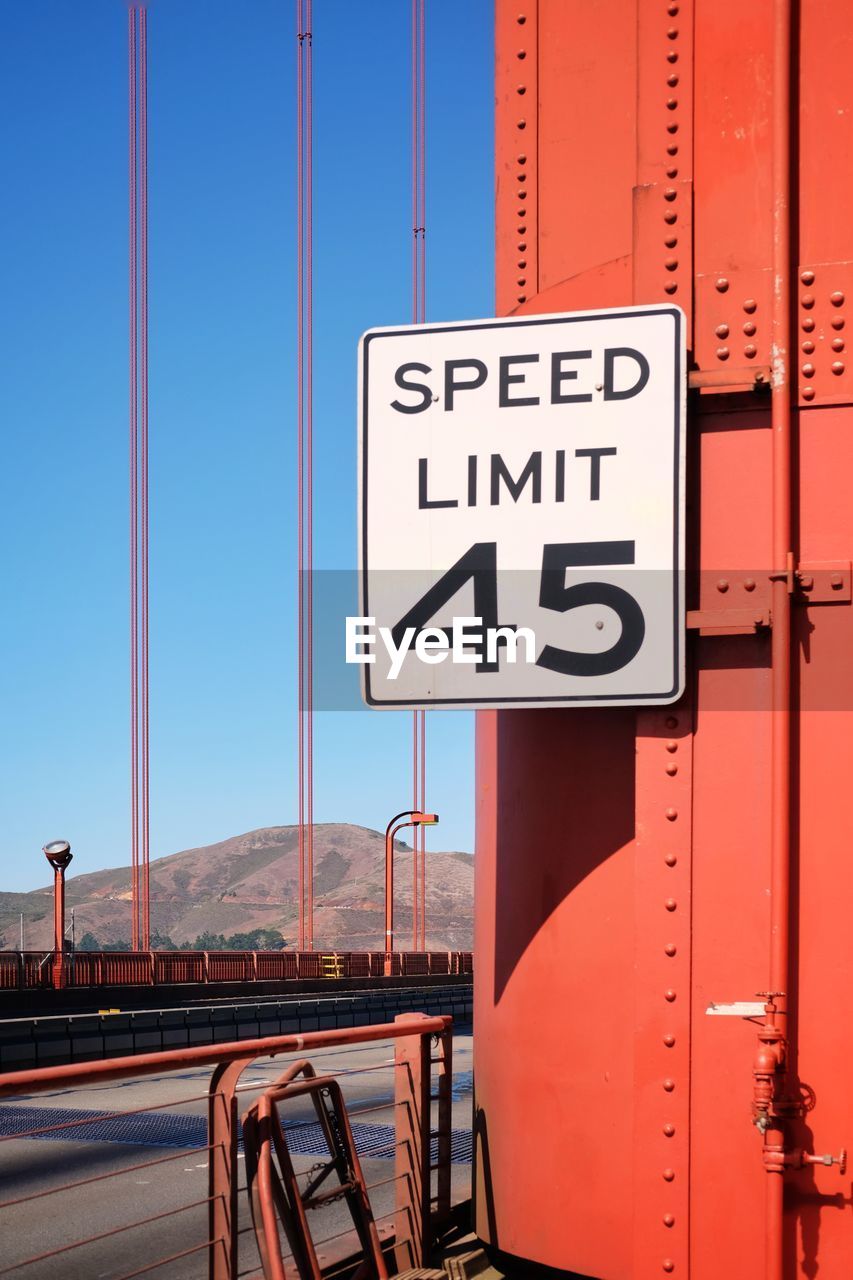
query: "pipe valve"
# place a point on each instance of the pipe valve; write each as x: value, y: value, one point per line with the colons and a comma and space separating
x: 829, y: 1160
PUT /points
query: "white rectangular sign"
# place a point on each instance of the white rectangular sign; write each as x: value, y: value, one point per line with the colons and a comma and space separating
x: 521, y: 511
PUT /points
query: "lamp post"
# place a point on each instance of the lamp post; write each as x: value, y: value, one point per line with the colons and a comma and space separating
x: 58, y: 854
x: 413, y: 818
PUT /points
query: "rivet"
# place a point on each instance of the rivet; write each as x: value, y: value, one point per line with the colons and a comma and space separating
x: 672, y: 768
x: 669, y: 1041
x: 670, y: 286
x: 670, y: 949
x: 669, y: 995
x: 837, y: 322
x: 522, y: 247
x: 669, y: 1130
x: 670, y: 216
x: 723, y: 585
x: 672, y: 127
x: 522, y: 263
x: 807, y: 277
x: 670, y: 193
x: 808, y: 370
x: 750, y: 305
x: 749, y: 328
x: 671, y: 722
x: 672, y: 746
x: 521, y: 281
x: 669, y: 1175
x: 672, y: 10
x: 749, y: 584
x: 670, y: 241
x: 669, y: 1085
x: 522, y: 231
x: 522, y: 159
x: 836, y: 298
x: 807, y: 300
x: 672, y: 34
x: 522, y: 297
x: 670, y: 904
x: 722, y: 353
x: 838, y: 344
x: 672, y: 80
x: 806, y: 582
x: 671, y: 815
x: 669, y: 1220
x: 672, y: 173
x: 837, y: 366
x: 672, y: 56
x: 522, y: 88
x: 808, y: 324
x: 670, y: 860
x: 521, y: 19
x: 722, y: 284
x: 671, y: 104
x: 522, y: 124
x: 522, y: 195
x: 808, y: 393
x: 671, y: 264
x: 521, y: 177
x: 672, y: 149
x: 836, y: 582
x: 522, y: 53
x: 722, y: 331
x: 808, y: 346
x: 749, y: 350
x: 668, y: 1264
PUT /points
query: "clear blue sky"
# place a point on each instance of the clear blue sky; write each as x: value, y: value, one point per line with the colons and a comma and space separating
x: 222, y: 281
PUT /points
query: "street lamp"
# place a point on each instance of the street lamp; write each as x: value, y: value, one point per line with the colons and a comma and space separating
x: 58, y: 854
x: 413, y: 818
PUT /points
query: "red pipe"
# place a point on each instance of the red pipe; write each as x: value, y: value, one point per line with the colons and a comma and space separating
x: 782, y: 587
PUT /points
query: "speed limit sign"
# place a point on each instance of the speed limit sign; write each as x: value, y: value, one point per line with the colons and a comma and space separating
x: 521, y: 511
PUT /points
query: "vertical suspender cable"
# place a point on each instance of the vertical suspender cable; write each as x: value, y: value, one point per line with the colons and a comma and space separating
x: 304, y: 467
x: 145, y: 937
x: 418, y: 60
x: 133, y: 460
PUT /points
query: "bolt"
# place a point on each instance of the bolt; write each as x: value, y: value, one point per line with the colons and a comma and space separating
x: 672, y: 173
x: 722, y: 331
x: 522, y: 297
x: 671, y: 103
x: 749, y: 328
x: 668, y: 1264
x: 672, y: 56
x: 670, y: 949
x: 521, y: 281
x: 749, y: 584
x: 669, y: 1175
x: 522, y: 195
x: 807, y: 277
x: 522, y: 247
x: 672, y: 81
x: 808, y: 346
x: 521, y: 89
x: 723, y: 585
x: 749, y: 350
x: 806, y: 582
x: 808, y: 324
x: 670, y: 860
x: 808, y: 370
x: 837, y: 322
x: 836, y: 298
x: 808, y: 393
x: 672, y: 769
x: 836, y: 582
x: 522, y: 54
x: 670, y: 287
x: 669, y: 995
x: 522, y: 159
x: 671, y: 815
x: 668, y: 1220
x: 522, y: 263
x: 670, y: 193
x: 722, y: 353
x: 522, y: 124
x: 669, y: 1130
x: 750, y: 305
x: 838, y: 344
x: 670, y: 242
x: 807, y: 300
x: 521, y: 177
x: 669, y: 1085
x: 837, y: 366
x: 672, y: 149
x: 672, y: 746
x: 669, y: 1041
x: 722, y: 284
x: 521, y: 19
x: 522, y: 231
x: 670, y: 216
x: 670, y: 904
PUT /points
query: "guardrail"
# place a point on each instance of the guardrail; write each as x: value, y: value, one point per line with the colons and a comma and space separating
x: 75, y: 1217
x: 31, y: 970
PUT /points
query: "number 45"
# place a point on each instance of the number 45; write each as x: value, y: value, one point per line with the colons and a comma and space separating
x: 479, y: 564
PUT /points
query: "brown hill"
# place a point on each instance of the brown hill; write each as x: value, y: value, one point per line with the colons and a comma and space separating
x: 250, y: 881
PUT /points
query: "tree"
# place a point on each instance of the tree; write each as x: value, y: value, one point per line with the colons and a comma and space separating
x: 88, y: 942
x: 119, y: 945
x: 162, y: 942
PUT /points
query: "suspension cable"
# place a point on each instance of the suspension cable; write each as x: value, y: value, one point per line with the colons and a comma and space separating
x: 304, y: 468
x: 133, y: 461
x: 145, y: 851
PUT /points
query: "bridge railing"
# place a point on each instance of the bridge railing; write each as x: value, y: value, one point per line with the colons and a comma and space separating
x: 175, y: 1182
x: 32, y: 970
